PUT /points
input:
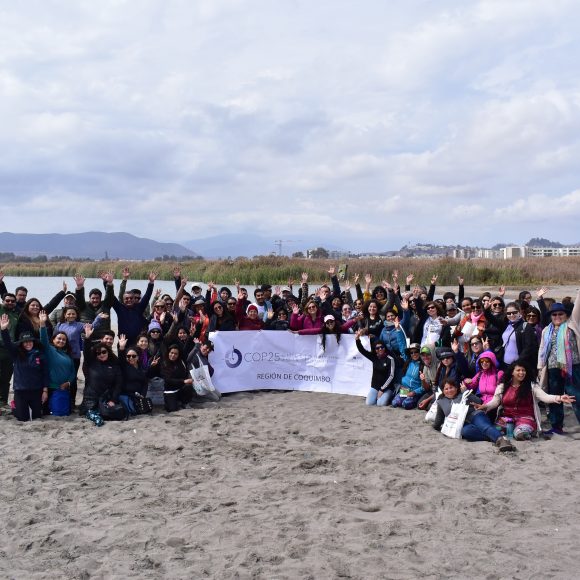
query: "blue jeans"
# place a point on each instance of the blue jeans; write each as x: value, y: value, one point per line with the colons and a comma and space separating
x: 558, y: 384
x: 405, y: 402
x: 382, y: 401
x: 480, y: 428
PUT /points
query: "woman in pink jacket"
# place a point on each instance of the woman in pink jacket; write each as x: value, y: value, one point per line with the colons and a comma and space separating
x: 311, y: 319
x: 485, y: 382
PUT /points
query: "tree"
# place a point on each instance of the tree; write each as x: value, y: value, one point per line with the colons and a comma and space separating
x: 318, y: 253
x: 298, y: 255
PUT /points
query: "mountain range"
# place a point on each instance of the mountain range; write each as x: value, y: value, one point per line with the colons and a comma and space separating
x: 92, y: 245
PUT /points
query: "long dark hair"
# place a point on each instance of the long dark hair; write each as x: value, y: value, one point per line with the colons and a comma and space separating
x: 525, y: 389
x: 326, y: 332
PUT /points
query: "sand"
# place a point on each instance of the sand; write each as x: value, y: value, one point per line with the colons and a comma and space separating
x: 282, y: 485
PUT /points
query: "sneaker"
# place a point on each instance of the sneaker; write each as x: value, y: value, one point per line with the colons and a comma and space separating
x: 504, y: 444
x: 556, y: 431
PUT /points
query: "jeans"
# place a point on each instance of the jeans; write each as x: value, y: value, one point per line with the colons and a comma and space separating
x: 405, y: 402
x: 558, y: 384
x: 480, y: 428
x: 382, y: 401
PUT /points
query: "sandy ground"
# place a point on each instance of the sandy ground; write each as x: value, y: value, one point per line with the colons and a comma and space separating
x: 282, y: 485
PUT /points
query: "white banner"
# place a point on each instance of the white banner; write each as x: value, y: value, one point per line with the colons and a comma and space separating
x: 269, y: 359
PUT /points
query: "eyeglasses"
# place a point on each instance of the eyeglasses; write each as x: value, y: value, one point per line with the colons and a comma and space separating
x: 476, y: 343
x: 511, y: 312
x: 231, y: 303
x: 131, y: 356
x: 312, y: 307
x: 532, y: 316
x: 431, y: 308
x: 497, y: 305
x: 154, y: 331
x: 330, y: 322
x: 414, y: 351
x: 446, y: 357
x: 380, y: 347
x: 9, y: 301
x: 476, y: 307
x: 103, y: 352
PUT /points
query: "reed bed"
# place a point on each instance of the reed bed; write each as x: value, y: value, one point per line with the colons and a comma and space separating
x: 278, y: 270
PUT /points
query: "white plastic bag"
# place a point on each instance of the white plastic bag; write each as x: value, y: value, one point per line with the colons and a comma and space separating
x: 202, y: 380
x: 432, y: 412
x: 456, y: 418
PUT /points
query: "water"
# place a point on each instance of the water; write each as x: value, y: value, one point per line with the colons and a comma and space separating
x: 44, y: 288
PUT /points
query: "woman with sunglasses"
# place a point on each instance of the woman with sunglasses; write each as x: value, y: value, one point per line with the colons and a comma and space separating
x: 105, y: 381
x: 559, y: 361
x: 221, y: 319
x: 519, y: 340
x: 135, y: 376
x: 382, y: 381
x: 311, y: 318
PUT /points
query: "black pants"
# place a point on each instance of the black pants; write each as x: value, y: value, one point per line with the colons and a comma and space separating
x: 6, y: 370
x: 27, y: 400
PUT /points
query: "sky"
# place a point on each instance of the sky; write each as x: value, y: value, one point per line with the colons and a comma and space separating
x: 365, y: 124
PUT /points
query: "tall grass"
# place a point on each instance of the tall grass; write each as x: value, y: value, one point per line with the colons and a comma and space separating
x: 278, y: 270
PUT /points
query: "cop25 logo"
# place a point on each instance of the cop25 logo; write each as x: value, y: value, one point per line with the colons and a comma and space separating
x: 233, y: 358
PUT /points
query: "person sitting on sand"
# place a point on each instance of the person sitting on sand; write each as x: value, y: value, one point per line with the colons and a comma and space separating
x: 519, y: 398
x: 477, y: 426
x: 411, y: 387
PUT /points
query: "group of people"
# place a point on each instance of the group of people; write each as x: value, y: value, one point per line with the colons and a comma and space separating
x: 42, y: 348
x: 511, y: 357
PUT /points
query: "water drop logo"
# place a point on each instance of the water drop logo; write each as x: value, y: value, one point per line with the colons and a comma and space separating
x: 233, y: 358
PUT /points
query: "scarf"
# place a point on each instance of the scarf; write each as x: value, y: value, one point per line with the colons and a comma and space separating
x: 475, y: 319
x: 563, y: 349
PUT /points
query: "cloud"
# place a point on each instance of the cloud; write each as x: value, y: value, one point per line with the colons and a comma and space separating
x: 373, y: 122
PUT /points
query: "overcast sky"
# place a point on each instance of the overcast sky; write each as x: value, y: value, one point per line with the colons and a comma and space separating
x: 373, y: 123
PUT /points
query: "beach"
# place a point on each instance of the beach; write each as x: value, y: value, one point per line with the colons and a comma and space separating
x: 282, y: 485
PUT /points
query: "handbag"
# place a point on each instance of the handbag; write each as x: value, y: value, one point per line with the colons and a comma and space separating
x: 155, y: 390
x: 143, y: 405
x: 202, y: 380
x: 456, y: 418
x: 115, y: 413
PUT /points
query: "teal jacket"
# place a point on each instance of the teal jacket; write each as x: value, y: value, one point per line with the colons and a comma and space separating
x: 61, y: 368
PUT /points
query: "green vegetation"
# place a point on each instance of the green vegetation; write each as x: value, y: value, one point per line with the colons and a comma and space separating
x: 277, y: 270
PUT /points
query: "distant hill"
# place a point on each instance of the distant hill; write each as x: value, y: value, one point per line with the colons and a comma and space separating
x: 93, y: 245
x: 543, y: 243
